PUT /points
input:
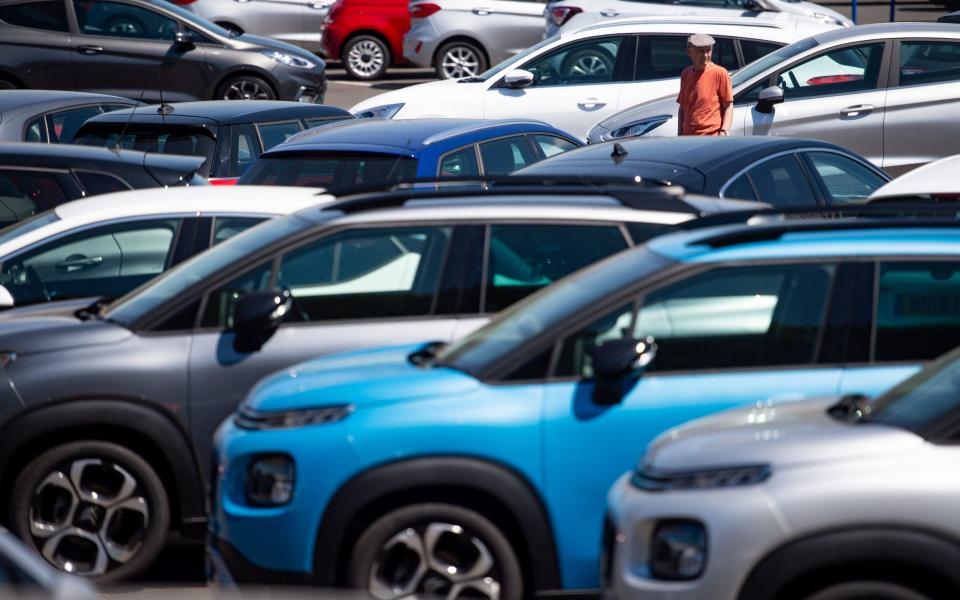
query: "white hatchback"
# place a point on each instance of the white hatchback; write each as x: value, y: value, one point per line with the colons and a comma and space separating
x: 574, y: 80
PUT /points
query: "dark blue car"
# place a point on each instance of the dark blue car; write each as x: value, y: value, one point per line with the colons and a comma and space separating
x: 368, y: 152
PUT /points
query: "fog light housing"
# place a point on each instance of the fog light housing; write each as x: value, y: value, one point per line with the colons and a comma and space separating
x: 678, y: 550
x: 269, y: 480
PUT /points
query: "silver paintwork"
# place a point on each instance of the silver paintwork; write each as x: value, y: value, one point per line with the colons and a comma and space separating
x: 293, y: 21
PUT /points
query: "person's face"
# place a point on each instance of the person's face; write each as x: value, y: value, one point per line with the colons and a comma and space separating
x: 700, y: 55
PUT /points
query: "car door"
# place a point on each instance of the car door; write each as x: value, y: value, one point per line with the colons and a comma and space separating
x: 574, y: 86
x: 361, y: 287
x: 125, y: 49
x: 727, y: 335
x: 836, y: 96
x: 919, y: 122
x: 514, y: 25
x: 35, y: 43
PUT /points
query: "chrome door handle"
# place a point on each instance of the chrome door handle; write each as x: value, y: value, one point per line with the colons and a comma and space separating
x: 590, y: 103
x: 320, y: 5
x: 78, y: 263
x: 853, y: 111
x: 482, y: 11
x: 609, y: 12
x: 90, y: 49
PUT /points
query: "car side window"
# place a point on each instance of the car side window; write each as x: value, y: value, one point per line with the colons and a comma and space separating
x: 846, y: 180
x: 225, y: 228
x: 840, y: 71
x: 506, y: 155
x: 575, y: 354
x: 578, y: 63
x: 753, y: 49
x: 366, y: 274
x: 735, y: 317
x: 929, y: 62
x: 459, y: 163
x: 782, y: 182
x: 116, y: 19
x: 218, y: 310
x: 740, y: 189
x: 49, y: 15
x: 244, y: 150
x: 277, y: 133
x: 28, y: 192
x: 665, y: 56
x: 918, y: 310
x: 63, y: 125
x: 36, y: 131
x: 100, y: 183
x: 551, y: 145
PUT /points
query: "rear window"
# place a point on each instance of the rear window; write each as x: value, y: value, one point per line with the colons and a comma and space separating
x: 337, y: 172
x: 186, y: 141
x: 51, y: 16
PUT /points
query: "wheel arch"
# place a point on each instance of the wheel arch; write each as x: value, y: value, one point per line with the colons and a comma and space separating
x: 150, y: 430
x: 494, y: 490
x: 913, y: 557
x: 462, y: 38
x: 244, y: 70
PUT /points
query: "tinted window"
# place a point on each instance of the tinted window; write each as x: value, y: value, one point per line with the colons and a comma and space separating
x: 551, y: 145
x: 662, y: 57
x: 277, y: 133
x: 366, y: 274
x: 318, y: 121
x: 846, y: 180
x: 575, y: 359
x: 929, y: 62
x: 338, y: 172
x: 38, y: 15
x: 35, y: 131
x: 506, y: 155
x: 738, y: 317
x: 524, y: 258
x: 123, y: 20
x: 221, y: 302
x: 586, y: 62
x: 782, y: 182
x: 27, y: 192
x: 193, y: 142
x: 100, y: 183
x: 850, y: 69
x: 918, y: 310
x: 752, y: 49
x: 460, y: 163
x: 740, y: 189
x: 227, y: 227
x: 922, y: 400
x: 243, y: 150
x: 64, y: 124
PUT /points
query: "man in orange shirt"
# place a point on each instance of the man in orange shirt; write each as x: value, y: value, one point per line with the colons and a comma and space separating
x: 706, y: 93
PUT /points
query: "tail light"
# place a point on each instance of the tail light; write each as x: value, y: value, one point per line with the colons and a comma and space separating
x: 223, y: 180
x: 335, y: 9
x: 423, y: 9
x: 562, y: 14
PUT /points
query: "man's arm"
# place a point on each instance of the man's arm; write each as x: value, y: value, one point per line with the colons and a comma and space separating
x: 726, y: 109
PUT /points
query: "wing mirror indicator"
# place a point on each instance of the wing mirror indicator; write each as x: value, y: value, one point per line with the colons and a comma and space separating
x: 616, y: 364
x: 769, y: 97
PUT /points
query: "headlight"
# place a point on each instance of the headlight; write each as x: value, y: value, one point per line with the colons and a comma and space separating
x: 635, y: 129
x: 251, y: 419
x: 678, y: 550
x: 290, y: 60
x: 700, y: 480
x: 387, y: 111
x: 269, y: 480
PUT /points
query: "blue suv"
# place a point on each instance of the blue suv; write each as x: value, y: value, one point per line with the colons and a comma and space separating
x: 481, y: 467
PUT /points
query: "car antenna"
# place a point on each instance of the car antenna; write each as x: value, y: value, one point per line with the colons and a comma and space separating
x: 119, y: 145
x: 164, y: 109
x: 618, y: 153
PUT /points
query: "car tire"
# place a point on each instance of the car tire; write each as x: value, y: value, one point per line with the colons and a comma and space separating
x: 874, y: 590
x: 411, y: 548
x: 366, y: 57
x: 586, y: 62
x: 460, y: 59
x: 58, y: 507
x: 245, y: 87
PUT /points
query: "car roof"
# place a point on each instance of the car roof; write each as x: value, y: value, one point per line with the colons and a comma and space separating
x: 33, y: 102
x: 232, y: 200
x: 63, y: 155
x: 402, y: 134
x: 937, y: 177
x: 737, y: 26
x: 882, y: 30
x: 223, y: 112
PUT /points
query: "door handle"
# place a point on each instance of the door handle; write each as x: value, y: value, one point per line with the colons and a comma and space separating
x: 72, y: 264
x: 90, y: 49
x: 320, y: 5
x: 588, y: 103
x: 609, y: 12
x: 482, y: 11
x: 855, y: 110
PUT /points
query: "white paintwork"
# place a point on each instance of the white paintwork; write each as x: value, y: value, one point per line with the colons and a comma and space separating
x: 938, y: 177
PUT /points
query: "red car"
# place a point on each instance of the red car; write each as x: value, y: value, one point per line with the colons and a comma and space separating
x: 367, y: 35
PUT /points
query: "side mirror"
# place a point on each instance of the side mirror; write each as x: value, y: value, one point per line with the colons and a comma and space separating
x: 769, y: 97
x: 183, y: 38
x: 615, y: 363
x: 518, y: 78
x: 257, y: 316
x: 6, y: 298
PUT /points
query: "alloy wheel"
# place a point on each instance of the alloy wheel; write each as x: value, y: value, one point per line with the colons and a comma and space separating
x: 88, y: 516
x: 437, y: 559
x: 245, y: 89
x: 365, y: 58
x: 589, y: 64
x: 458, y: 62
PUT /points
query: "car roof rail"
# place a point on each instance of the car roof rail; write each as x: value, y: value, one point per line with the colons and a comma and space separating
x: 648, y: 194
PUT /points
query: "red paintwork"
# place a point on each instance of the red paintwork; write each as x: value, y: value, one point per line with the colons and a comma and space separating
x: 388, y: 18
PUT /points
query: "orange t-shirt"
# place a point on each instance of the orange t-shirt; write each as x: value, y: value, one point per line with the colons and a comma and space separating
x: 701, y: 93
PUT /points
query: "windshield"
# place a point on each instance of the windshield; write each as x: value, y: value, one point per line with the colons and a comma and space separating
x: 163, y: 140
x: 774, y: 58
x: 338, y: 172
x: 191, y: 18
x: 549, y: 308
x: 923, y: 399
x: 35, y: 222
x: 502, y: 66
x: 127, y: 309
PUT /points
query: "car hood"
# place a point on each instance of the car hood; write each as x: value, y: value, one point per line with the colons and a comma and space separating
x: 365, y: 378
x: 55, y: 328
x: 640, y: 112
x: 782, y: 435
x: 431, y: 99
x: 812, y: 10
x: 249, y: 41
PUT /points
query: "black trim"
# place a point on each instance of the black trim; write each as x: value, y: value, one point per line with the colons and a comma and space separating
x: 369, y: 494
x: 243, y: 571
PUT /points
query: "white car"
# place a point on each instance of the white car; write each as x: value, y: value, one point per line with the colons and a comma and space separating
x: 570, y: 15
x: 111, y: 243
x: 933, y: 181
x: 573, y: 80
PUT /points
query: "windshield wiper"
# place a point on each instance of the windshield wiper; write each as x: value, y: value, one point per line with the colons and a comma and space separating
x: 426, y: 355
x: 852, y: 408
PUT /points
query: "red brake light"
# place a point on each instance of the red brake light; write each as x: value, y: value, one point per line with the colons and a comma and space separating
x: 335, y: 9
x: 562, y: 14
x: 223, y: 180
x: 423, y: 9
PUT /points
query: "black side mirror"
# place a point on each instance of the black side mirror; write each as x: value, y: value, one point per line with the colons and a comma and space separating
x: 768, y: 98
x: 256, y: 316
x: 183, y: 38
x: 615, y: 363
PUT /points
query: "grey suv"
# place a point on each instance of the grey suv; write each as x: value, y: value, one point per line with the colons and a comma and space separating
x: 141, y: 383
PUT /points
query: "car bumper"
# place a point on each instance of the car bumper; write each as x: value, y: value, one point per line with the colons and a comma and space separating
x: 309, y: 87
x: 419, y: 51
x: 227, y: 568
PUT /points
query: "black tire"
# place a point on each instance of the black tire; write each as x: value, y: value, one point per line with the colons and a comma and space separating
x: 365, y: 57
x: 867, y: 590
x: 137, y: 536
x: 587, y: 62
x: 245, y: 87
x: 458, y: 59
x: 371, y: 554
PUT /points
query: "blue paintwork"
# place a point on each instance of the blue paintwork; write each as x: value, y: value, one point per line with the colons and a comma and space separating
x: 567, y: 448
